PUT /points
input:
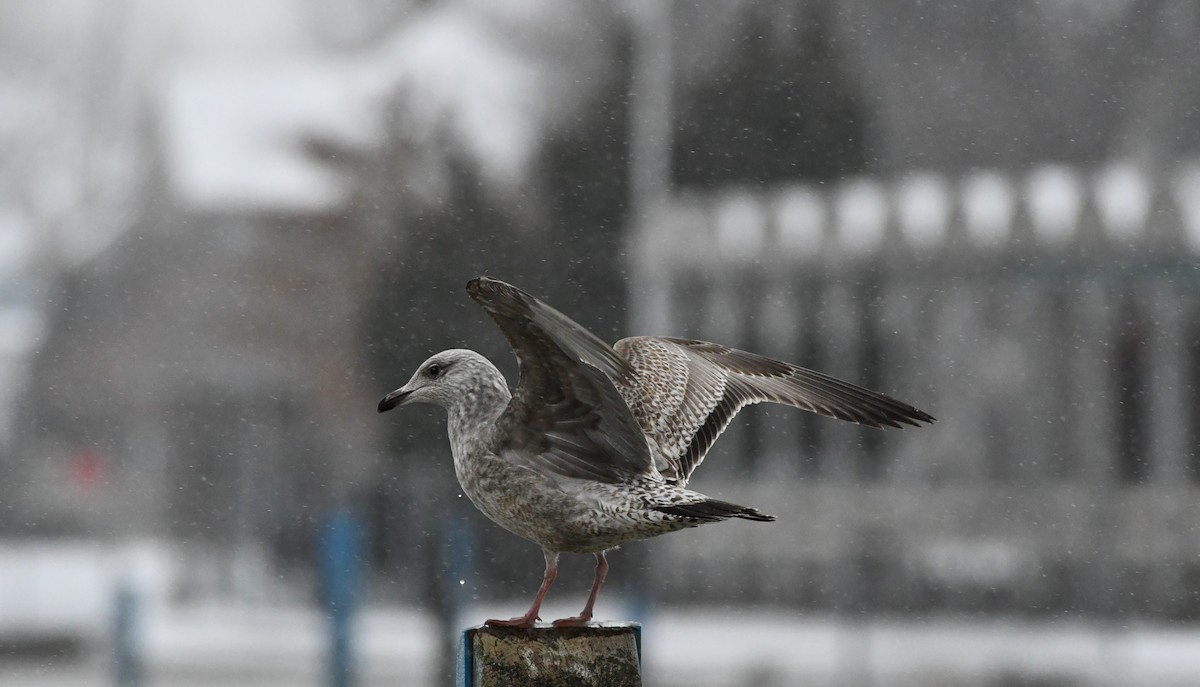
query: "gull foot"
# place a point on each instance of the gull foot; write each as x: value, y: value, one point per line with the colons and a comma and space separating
x: 577, y: 621
x: 523, y: 622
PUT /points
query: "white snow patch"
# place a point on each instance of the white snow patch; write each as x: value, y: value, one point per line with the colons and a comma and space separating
x: 717, y: 647
x: 461, y: 82
x: 68, y: 586
x: 236, y: 134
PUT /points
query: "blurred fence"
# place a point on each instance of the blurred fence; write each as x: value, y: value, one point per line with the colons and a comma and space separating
x: 1051, y: 321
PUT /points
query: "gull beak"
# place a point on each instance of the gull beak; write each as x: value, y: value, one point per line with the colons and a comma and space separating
x: 396, y: 398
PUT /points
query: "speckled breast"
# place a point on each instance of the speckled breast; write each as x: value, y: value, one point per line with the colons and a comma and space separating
x: 593, y: 518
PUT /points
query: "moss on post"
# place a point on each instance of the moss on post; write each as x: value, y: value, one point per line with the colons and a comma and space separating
x: 552, y: 657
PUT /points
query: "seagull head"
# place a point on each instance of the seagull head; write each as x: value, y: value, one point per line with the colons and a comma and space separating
x: 446, y: 379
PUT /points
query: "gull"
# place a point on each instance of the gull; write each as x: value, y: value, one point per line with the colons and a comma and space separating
x: 595, y: 446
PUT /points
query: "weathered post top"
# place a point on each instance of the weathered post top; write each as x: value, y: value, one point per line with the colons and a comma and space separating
x: 607, y: 654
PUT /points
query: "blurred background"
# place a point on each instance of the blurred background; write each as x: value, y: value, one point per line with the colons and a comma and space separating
x: 228, y: 228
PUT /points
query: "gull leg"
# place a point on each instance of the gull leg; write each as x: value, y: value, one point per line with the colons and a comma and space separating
x: 586, y: 615
x: 526, y: 621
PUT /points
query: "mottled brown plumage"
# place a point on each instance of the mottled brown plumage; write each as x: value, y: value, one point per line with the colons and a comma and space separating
x: 597, y: 443
x: 684, y: 393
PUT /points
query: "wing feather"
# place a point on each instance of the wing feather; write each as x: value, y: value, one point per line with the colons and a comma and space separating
x: 718, y: 381
x: 566, y: 416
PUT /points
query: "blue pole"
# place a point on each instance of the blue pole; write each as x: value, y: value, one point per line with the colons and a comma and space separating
x: 463, y: 663
x: 457, y: 534
x: 127, y: 664
x: 340, y: 548
x: 457, y: 556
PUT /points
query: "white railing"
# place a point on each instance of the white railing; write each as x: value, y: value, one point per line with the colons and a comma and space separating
x: 1050, y: 320
x: 1046, y: 211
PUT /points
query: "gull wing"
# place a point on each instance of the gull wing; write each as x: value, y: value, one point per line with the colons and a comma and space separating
x: 684, y: 394
x: 566, y: 417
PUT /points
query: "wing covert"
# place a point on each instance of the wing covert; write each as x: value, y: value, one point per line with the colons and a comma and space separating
x: 566, y: 416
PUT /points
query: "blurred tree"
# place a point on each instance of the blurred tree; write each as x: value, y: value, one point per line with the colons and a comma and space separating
x: 780, y: 105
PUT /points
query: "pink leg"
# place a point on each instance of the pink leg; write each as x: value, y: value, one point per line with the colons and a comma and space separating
x: 526, y: 621
x: 586, y: 615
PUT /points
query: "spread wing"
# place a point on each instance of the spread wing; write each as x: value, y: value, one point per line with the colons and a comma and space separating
x: 685, y: 393
x: 566, y: 418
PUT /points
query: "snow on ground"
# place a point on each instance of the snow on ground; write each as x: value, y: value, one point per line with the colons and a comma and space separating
x: 234, y: 646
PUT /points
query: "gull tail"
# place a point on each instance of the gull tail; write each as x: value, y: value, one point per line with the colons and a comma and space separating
x: 712, y: 510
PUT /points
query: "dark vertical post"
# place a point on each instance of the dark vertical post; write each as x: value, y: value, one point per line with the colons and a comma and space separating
x: 1167, y: 447
x: 1093, y: 435
x: 340, y: 546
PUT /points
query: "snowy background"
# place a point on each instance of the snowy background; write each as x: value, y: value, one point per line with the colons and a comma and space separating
x: 227, y: 228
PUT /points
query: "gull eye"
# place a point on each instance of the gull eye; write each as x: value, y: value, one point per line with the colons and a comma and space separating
x: 434, y: 370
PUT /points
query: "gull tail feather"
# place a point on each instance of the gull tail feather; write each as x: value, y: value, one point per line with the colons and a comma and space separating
x: 713, y: 510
